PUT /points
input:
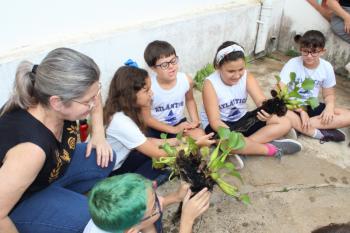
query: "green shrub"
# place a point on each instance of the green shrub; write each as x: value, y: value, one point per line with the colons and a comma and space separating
x: 202, y: 74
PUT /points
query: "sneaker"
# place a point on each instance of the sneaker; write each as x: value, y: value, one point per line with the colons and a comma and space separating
x: 239, y: 162
x: 292, y: 134
x: 287, y: 146
x: 332, y: 135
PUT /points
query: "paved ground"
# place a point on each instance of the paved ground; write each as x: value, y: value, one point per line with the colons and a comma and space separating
x: 293, y: 195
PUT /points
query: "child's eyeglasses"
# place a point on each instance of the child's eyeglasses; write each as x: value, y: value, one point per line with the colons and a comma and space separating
x: 156, y: 209
x: 313, y: 53
x: 92, y: 102
x: 165, y: 65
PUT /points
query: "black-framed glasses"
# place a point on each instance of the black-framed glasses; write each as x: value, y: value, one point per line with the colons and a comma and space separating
x: 165, y: 65
x: 155, y: 209
x: 314, y: 53
x: 92, y: 102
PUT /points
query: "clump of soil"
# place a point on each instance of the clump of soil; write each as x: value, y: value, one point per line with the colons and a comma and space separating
x: 274, y: 105
x: 193, y: 170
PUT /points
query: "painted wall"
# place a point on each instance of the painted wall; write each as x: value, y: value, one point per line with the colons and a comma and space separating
x: 122, y: 31
x: 298, y: 17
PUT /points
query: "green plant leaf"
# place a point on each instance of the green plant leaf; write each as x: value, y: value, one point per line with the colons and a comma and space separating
x: 308, y: 84
x: 215, y: 175
x: 295, y: 93
x: 179, y: 136
x: 214, y: 154
x: 313, y: 102
x: 163, y: 136
x: 245, y: 199
x: 236, y: 141
x: 237, y: 174
x: 292, y: 76
x: 205, y: 151
x: 223, y: 133
x: 227, y: 188
x: 278, y: 78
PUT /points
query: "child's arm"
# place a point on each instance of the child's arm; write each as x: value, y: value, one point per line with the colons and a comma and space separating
x: 151, y: 122
x: 254, y: 90
x: 338, y: 10
x: 98, y: 140
x: 329, y: 99
x: 211, y: 106
x: 191, y: 104
x: 257, y: 95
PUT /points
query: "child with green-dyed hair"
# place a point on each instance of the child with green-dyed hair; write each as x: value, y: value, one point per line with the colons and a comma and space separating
x: 128, y: 203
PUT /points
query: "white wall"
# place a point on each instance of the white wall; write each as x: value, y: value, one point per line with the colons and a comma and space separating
x: 298, y: 17
x: 116, y: 31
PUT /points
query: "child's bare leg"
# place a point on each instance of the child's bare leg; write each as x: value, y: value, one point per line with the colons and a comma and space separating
x: 341, y: 119
x: 296, y: 124
x: 276, y: 127
x: 252, y: 148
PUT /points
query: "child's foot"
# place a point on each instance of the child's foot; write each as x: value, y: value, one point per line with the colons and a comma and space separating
x: 332, y: 135
x: 287, y: 146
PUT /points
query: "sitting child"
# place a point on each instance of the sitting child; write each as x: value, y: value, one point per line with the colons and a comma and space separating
x: 130, y: 91
x: 323, y: 121
x: 128, y: 203
x: 172, y: 91
x: 225, y: 94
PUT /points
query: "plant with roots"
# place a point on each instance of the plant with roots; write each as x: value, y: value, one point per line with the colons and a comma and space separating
x: 201, y: 168
x: 283, y: 99
x: 290, y: 94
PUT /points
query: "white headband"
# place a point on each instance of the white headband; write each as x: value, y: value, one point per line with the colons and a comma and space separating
x: 223, y: 52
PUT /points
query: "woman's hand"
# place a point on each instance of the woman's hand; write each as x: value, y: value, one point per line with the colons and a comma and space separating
x: 263, y: 115
x: 205, y: 140
x: 104, y: 152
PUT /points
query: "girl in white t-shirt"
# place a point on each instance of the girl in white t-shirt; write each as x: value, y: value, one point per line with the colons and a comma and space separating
x: 225, y: 93
x: 129, y: 92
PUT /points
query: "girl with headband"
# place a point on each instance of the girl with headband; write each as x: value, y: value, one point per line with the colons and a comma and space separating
x: 225, y: 94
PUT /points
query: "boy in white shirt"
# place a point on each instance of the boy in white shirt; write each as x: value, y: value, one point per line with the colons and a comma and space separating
x: 323, y: 121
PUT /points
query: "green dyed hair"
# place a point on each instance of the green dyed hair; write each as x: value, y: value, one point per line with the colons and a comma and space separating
x: 119, y: 202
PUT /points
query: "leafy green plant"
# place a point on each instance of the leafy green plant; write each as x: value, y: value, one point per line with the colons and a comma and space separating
x: 202, y: 74
x: 290, y: 93
x: 202, y: 168
x: 292, y: 53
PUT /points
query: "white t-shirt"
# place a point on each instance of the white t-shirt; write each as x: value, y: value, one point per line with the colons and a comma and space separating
x: 92, y: 228
x: 123, y: 135
x: 232, y: 99
x: 323, y: 76
x: 168, y: 105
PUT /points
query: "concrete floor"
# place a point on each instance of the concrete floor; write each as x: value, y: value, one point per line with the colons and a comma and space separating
x: 293, y: 195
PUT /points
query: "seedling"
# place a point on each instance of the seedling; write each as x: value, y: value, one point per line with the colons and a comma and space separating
x: 201, y: 168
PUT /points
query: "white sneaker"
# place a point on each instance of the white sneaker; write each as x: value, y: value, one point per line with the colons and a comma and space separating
x: 347, y: 67
x: 238, y: 162
x: 292, y: 134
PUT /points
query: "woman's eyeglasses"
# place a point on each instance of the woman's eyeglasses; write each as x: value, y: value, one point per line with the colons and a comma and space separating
x: 92, y: 102
x: 165, y: 65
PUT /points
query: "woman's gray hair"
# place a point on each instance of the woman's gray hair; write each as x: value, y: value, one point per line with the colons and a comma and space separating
x: 63, y: 72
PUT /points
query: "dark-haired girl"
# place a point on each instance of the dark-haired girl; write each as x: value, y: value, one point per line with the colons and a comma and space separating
x: 225, y: 94
x: 129, y: 92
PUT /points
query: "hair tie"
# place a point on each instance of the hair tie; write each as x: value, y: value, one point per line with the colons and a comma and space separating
x: 35, y: 67
x: 229, y: 49
x: 131, y: 63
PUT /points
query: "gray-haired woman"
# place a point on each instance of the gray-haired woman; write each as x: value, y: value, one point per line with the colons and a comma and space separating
x: 43, y: 173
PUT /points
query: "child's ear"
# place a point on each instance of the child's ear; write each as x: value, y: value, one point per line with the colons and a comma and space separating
x: 323, y: 51
x: 56, y: 102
